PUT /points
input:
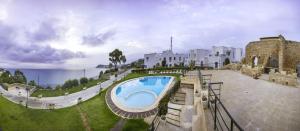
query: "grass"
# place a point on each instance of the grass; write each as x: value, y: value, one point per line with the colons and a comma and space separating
x: 62, y: 91
x: 17, y: 117
x: 135, y: 125
x: 99, y: 117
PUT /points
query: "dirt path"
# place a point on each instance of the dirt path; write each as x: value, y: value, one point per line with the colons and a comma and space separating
x: 119, y: 125
x: 84, y: 119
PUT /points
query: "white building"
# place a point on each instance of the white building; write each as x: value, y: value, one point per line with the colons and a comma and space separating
x: 216, y: 58
x: 200, y: 56
x: 156, y: 59
x: 220, y: 55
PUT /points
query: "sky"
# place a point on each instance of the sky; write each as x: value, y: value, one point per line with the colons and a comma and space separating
x: 76, y: 34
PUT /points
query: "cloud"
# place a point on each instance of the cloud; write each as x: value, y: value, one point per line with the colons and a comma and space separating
x: 98, y: 39
x: 47, y: 30
x: 12, y: 50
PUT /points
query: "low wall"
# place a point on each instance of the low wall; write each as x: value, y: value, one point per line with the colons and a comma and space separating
x: 284, y: 79
x: 233, y: 66
x: 253, y: 72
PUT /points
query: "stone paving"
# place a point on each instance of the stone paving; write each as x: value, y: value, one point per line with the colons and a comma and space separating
x: 258, y: 105
x: 61, y: 101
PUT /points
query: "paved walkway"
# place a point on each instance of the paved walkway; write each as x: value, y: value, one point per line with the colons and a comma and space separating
x: 61, y: 101
x: 259, y: 104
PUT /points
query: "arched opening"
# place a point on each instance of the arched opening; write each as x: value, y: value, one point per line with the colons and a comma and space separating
x: 254, y: 61
x: 201, y: 63
x: 216, y: 64
x: 272, y: 64
x: 298, y: 69
x: 227, y: 61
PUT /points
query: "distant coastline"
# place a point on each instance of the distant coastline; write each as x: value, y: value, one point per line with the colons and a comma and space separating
x: 102, y: 66
x: 54, y: 77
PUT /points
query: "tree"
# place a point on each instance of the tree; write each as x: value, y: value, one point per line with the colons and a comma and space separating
x: 100, y: 74
x: 6, y: 77
x: 84, y: 80
x: 116, y: 57
x: 227, y: 61
x: 19, y: 77
x: 32, y: 83
x: 75, y: 82
x: 70, y: 83
x: 192, y: 64
x: 164, y: 63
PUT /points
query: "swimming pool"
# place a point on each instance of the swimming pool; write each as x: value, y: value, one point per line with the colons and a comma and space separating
x: 141, y: 93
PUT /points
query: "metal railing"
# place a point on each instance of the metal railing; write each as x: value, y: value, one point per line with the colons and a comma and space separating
x: 222, y: 118
x: 163, y: 106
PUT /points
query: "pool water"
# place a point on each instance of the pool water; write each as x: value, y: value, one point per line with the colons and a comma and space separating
x: 141, y: 92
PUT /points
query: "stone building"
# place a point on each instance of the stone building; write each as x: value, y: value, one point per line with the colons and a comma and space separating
x: 274, y: 54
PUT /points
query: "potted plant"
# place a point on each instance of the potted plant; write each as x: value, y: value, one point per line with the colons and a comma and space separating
x: 198, y: 94
x: 204, y: 102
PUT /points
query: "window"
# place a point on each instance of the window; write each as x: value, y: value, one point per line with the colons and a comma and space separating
x: 179, y: 58
x: 147, y: 58
x: 228, y: 53
x: 217, y: 54
x: 170, y: 59
x: 174, y: 58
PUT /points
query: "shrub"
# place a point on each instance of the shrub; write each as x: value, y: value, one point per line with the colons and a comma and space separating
x: 100, y: 74
x: 70, y: 83
x: 84, y: 80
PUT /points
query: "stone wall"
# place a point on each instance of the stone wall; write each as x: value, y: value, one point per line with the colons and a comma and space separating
x: 253, y: 72
x: 262, y: 50
x: 232, y: 66
x: 285, y: 53
x: 292, y: 56
x: 283, y: 78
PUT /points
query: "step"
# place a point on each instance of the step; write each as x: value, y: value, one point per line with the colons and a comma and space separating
x: 174, y: 106
x: 178, y: 102
x: 187, y: 85
x: 173, y: 122
x: 180, y: 94
x: 174, y: 112
x: 178, y: 98
x: 173, y: 117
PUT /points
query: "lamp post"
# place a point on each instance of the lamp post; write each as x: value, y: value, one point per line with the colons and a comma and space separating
x: 27, y: 90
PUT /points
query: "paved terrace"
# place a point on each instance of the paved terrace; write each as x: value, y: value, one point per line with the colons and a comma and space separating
x: 258, y: 105
x: 61, y: 101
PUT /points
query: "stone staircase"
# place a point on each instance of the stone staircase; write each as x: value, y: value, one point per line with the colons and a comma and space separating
x: 173, y: 115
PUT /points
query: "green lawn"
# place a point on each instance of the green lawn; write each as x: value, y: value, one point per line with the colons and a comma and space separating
x: 15, y: 117
x: 135, y: 125
x: 62, y: 91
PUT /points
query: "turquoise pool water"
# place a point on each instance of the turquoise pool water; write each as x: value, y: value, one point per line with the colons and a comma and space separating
x: 141, y: 92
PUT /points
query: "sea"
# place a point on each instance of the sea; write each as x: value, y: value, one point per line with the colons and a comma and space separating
x: 53, y: 77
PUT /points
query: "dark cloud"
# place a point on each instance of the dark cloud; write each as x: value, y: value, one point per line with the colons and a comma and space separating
x: 47, y: 30
x: 12, y: 50
x: 98, y: 39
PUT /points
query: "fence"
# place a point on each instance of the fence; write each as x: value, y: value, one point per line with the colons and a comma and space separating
x: 222, y: 118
